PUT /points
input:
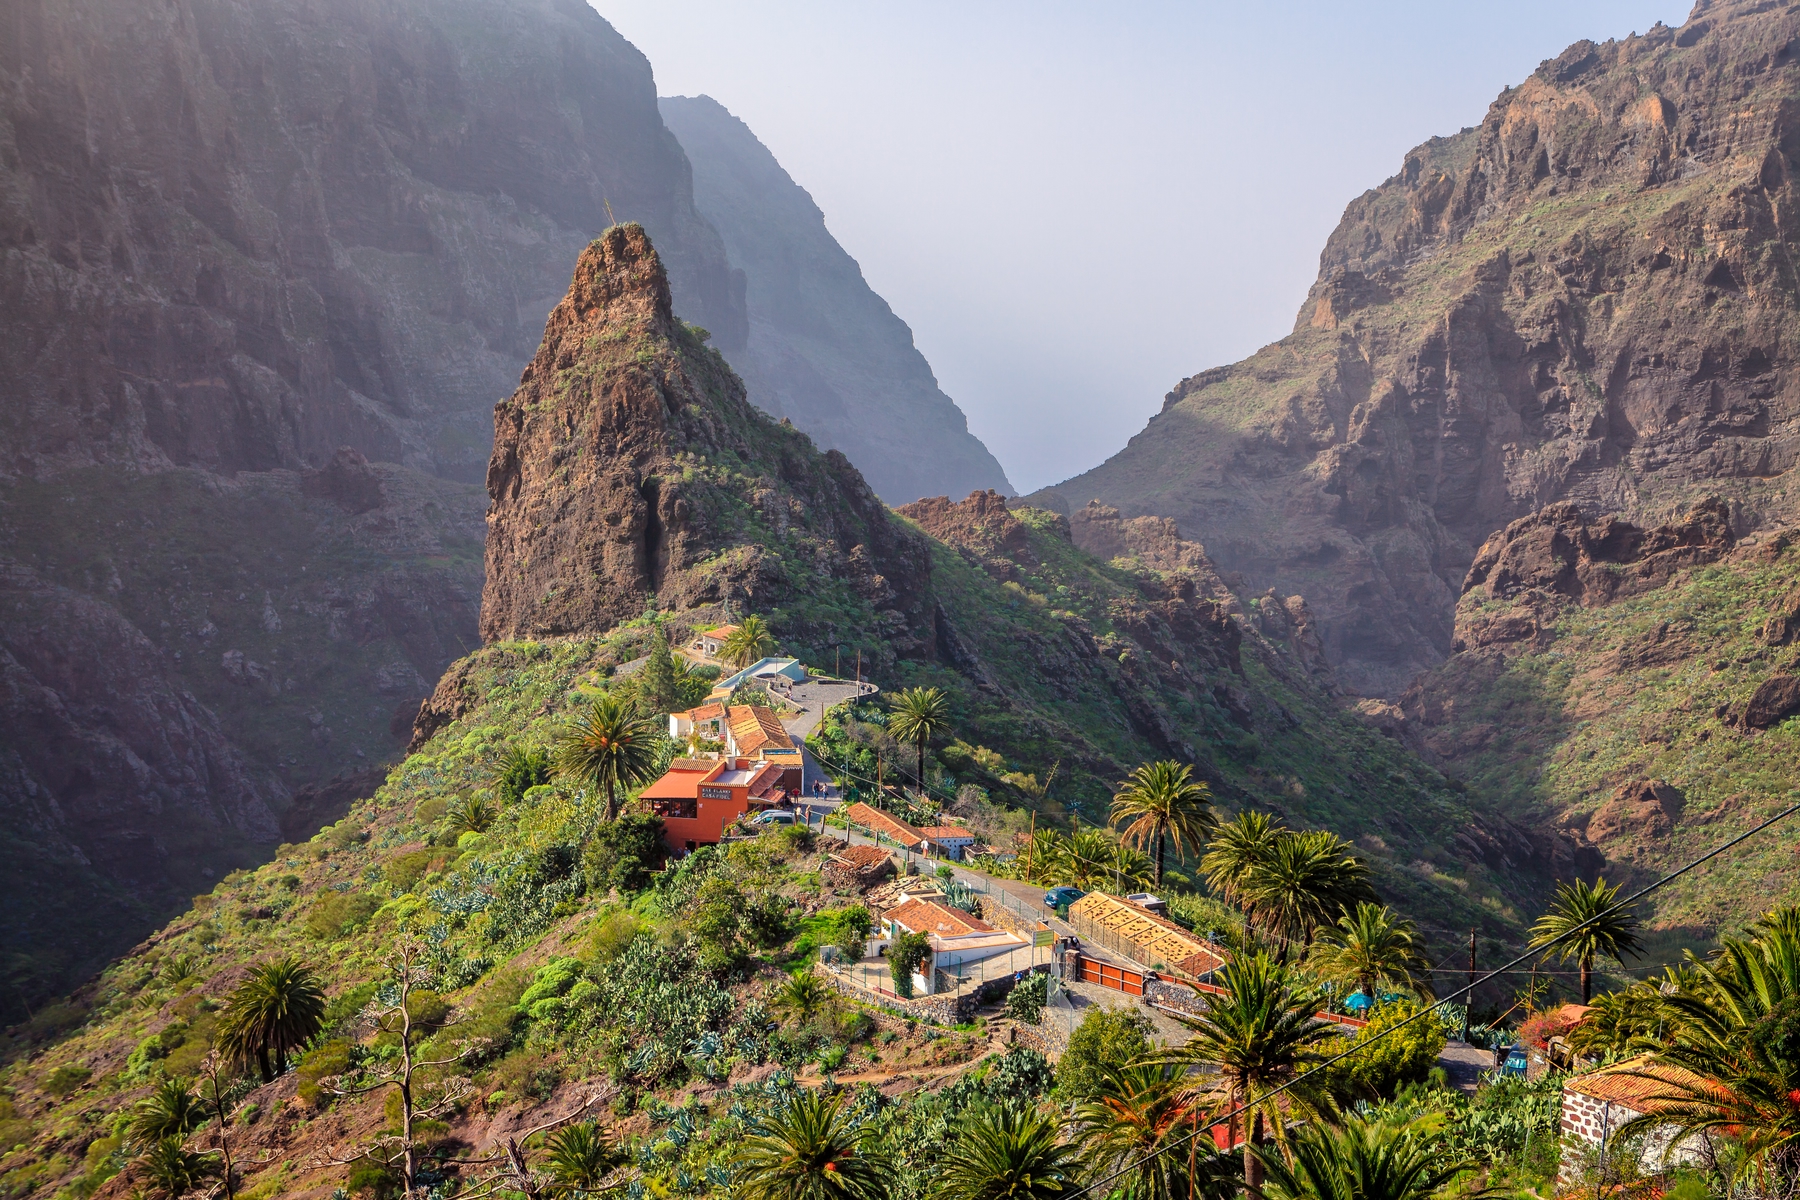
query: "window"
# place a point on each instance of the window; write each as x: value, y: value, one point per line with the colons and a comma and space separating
x: 674, y: 808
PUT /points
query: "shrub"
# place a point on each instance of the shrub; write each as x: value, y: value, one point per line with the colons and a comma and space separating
x: 327, y: 1059
x: 405, y: 871
x: 1402, y: 1057
x: 338, y: 914
x: 543, y: 1000
x: 520, y: 771
x: 1026, y: 1001
x: 623, y: 854
x: 850, y: 930
x: 1106, y: 1037
x: 66, y: 1079
x: 611, y: 935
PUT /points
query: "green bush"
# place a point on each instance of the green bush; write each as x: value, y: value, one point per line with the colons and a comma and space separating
x: 66, y: 1079
x: 327, y: 1059
x: 543, y: 1000
x: 1106, y: 1037
x: 1027, y: 999
x: 520, y: 771
x: 623, y: 855
x: 338, y: 914
x: 905, y: 953
x: 405, y: 871
x: 1403, y: 1057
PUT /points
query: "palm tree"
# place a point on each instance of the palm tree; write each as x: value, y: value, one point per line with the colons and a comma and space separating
x: 1161, y: 801
x: 803, y: 995
x: 277, y: 1009
x: 1585, y: 916
x: 1364, y: 1160
x: 518, y: 771
x: 1621, y: 1022
x: 175, y: 1170
x: 470, y: 814
x: 750, y: 641
x: 1087, y: 857
x: 1257, y: 1036
x: 1370, y: 947
x: 1045, y: 858
x: 579, y: 1161
x: 1731, y: 1042
x: 611, y: 747
x: 811, y: 1150
x: 1128, y: 866
x: 169, y: 1111
x: 1002, y: 1153
x: 919, y: 715
x: 1306, y: 881
x: 1143, y: 1122
x: 1241, y: 844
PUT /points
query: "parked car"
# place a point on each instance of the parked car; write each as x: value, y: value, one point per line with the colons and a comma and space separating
x: 774, y: 817
x: 1057, y: 897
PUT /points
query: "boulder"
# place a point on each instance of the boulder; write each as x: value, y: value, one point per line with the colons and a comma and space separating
x: 1777, y: 699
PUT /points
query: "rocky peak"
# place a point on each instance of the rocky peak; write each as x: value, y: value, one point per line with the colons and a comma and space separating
x: 630, y: 470
x: 981, y: 524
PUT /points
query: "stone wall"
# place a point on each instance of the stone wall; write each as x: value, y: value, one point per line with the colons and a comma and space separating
x: 941, y: 1009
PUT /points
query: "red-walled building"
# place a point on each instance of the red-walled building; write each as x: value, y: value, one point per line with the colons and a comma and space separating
x: 698, y: 799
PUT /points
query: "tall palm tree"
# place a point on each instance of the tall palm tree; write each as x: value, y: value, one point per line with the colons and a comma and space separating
x: 1364, y: 1160
x: 1580, y: 915
x: 811, y: 1150
x: 1370, y: 947
x: 1045, y: 858
x: 275, y: 1010
x: 611, y: 747
x: 1162, y: 801
x: 1257, y: 1036
x: 1002, y: 1153
x: 169, y: 1111
x: 919, y: 715
x: 1087, y: 857
x: 1142, y: 1122
x: 1306, y: 881
x: 1241, y: 844
x: 1732, y: 1043
x: 1128, y: 867
x: 750, y: 641
x: 579, y: 1160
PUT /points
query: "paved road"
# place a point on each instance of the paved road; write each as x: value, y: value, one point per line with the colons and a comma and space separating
x: 813, y: 698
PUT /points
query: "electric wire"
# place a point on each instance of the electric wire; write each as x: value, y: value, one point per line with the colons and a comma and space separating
x: 1227, y: 1118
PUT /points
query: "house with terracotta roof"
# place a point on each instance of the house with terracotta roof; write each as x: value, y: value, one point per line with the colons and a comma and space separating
x: 699, y: 799
x: 1596, y: 1104
x: 711, y: 642
x: 957, y: 939
x: 1140, y: 934
x: 947, y: 841
x: 750, y: 729
x: 886, y: 825
x: 707, y: 721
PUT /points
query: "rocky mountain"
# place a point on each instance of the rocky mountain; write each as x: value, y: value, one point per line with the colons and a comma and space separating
x: 823, y: 349
x: 265, y: 268
x: 632, y: 479
x: 1589, y: 297
x: 1631, y: 687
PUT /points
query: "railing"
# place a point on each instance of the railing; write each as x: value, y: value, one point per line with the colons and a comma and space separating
x: 873, y: 975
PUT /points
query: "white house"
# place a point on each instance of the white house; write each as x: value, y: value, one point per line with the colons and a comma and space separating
x: 707, y: 721
x: 1597, y: 1104
x: 957, y: 939
x: 712, y: 642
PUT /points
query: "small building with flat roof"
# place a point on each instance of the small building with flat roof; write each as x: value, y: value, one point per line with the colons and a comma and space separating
x: 707, y: 721
x: 699, y: 799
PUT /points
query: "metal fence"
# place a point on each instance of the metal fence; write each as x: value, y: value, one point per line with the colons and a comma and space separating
x: 873, y: 974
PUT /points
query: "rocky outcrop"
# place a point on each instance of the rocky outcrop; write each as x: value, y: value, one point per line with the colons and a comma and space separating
x: 629, y: 469
x: 822, y: 349
x: 1586, y: 299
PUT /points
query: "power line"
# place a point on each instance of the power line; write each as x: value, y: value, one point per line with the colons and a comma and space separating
x: 1226, y: 1118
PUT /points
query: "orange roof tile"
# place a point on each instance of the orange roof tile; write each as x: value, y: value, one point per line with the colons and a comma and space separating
x: 938, y: 833
x: 721, y: 633
x: 680, y: 783
x: 1641, y: 1084
x: 926, y: 916
x: 1157, y: 939
x: 705, y: 712
x: 754, y: 727
x: 873, y: 818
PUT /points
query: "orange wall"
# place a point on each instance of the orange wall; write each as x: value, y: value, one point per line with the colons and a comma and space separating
x: 708, y: 824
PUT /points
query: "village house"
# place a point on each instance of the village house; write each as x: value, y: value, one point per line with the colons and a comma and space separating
x: 1155, y: 941
x: 711, y: 643
x: 707, y: 721
x: 957, y: 939
x: 1596, y: 1104
x: 750, y: 729
x: 775, y: 675
x: 699, y: 799
x: 934, y: 841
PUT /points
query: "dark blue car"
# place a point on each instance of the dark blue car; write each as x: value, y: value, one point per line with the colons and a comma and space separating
x: 1056, y: 897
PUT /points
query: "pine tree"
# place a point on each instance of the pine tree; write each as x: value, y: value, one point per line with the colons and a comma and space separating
x: 656, y: 680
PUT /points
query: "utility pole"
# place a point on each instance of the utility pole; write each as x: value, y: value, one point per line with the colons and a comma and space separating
x: 1469, y: 996
x: 1030, y: 841
x: 837, y: 669
x: 859, y: 666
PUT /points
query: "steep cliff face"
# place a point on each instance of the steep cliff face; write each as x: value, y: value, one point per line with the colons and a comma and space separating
x: 1631, y: 689
x: 264, y: 269
x: 1590, y: 298
x: 823, y: 349
x: 629, y: 470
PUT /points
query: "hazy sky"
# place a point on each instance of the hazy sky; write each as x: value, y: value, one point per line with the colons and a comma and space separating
x: 1077, y: 205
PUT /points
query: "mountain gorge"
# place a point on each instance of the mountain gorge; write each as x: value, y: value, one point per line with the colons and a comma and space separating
x: 1590, y: 297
